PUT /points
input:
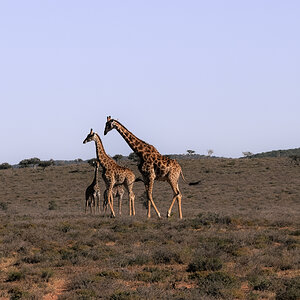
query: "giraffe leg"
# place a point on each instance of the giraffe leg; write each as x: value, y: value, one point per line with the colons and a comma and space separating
x: 110, y: 200
x: 86, y: 204
x: 177, y: 195
x: 179, y: 205
x: 98, y: 202
x: 120, y: 204
x: 105, y: 202
x: 93, y: 203
x: 149, y: 189
x: 131, y: 197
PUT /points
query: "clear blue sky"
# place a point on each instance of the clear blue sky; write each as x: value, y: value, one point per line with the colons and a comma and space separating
x: 199, y: 75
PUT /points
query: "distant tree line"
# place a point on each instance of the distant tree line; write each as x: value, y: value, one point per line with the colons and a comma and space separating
x: 279, y: 153
x: 36, y: 162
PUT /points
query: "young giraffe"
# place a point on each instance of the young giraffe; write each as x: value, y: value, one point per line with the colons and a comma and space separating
x: 112, y: 173
x: 152, y: 165
x: 92, y: 193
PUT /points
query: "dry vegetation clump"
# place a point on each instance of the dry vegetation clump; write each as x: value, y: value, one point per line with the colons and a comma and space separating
x: 239, y: 238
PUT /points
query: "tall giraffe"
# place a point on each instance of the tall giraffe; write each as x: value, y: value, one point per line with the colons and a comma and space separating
x: 92, y: 193
x: 153, y: 166
x: 112, y: 173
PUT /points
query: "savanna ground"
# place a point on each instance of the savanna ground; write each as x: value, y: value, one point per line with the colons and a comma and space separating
x: 239, y: 237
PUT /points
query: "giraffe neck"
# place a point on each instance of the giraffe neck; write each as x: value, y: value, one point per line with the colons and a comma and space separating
x: 103, y: 158
x: 137, y: 145
x: 95, y: 181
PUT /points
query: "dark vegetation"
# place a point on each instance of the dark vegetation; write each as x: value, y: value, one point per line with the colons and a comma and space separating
x: 239, y: 238
x: 279, y: 153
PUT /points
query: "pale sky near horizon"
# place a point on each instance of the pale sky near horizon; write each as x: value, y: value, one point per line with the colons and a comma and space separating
x: 199, y: 75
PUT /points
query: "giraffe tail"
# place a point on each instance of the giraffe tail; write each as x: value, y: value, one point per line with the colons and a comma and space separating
x: 189, y: 183
x: 181, y: 173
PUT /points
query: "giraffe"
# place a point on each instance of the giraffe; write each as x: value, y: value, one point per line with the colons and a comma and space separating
x: 92, y: 193
x: 153, y: 166
x: 112, y: 173
x: 118, y: 191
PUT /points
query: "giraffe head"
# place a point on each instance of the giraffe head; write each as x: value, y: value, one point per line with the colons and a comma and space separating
x: 110, y: 124
x: 90, y: 137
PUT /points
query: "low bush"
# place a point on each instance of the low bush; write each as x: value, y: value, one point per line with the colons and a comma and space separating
x: 140, y: 259
x: 260, y: 282
x: 15, y: 276
x: 205, y: 264
x: 3, y: 206
x: 288, y: 289
x: 52, y: 205
x: 5, y: 166
x: 123, y: 295
x: 216, y: 284
x: 166, y: 256
x: 153, y: 274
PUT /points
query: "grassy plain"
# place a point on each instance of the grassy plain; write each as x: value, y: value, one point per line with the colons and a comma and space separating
x: 239, y: 238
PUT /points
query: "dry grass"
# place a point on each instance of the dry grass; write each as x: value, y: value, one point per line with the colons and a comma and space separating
x: 239, y: 238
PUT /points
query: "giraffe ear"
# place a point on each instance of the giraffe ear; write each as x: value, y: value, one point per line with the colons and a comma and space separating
x: 108, y: 118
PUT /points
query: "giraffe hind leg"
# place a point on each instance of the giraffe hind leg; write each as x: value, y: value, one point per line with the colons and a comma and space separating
x: 111, y: 201
x: 178, y: 196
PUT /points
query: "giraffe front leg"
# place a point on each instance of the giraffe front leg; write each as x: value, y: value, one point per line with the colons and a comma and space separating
x: 110, y: 200
x: 111, y: 203
x: 132, y: 201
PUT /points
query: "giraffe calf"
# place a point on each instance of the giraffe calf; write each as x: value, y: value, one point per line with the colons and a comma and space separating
x: 92, y: 194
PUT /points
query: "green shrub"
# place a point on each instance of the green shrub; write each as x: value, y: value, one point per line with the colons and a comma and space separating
x: 30, y: 162
x: 205, y: 264
x: 15, y: 293
x: 216, y: 284
x: 45, y: 163
x: 5, y: 166
x: 3, y: 206
x: 153, y: 274
x: 46, y: 274
x: 289, y: 289
x: 109, y: 274
x: 15, y: 276
x: 140, y: 259
x: 122, y: 295
x: 52, y: 205
x: 260, y: 283
x: 207, y: 219
x: 166, y: 256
